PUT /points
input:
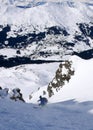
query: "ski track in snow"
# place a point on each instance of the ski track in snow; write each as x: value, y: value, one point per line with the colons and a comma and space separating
x: 68, y: 115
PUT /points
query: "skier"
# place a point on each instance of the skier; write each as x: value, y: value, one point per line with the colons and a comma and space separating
x: 43, y: 101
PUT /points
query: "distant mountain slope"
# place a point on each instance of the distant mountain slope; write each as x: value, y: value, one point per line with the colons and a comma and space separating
x: 49, y: 31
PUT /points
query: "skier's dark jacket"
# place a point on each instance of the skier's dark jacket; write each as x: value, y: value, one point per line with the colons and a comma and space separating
x: 43, y: 101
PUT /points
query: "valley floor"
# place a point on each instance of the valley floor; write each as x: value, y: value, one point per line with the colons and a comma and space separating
x: 68, y: 115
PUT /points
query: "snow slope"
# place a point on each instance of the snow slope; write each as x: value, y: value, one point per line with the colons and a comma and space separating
x: 74, y: 110
x: 61, y: 116
x: 33, y: 80
x: 29, y: 78
x: 79, y: 88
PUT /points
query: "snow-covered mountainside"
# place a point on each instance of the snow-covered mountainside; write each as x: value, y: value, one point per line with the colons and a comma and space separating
x: 42, y: 43
x: 68, y: 108
x: 41, y: 32
x: 57, y: 82
x: 78, y: 87
x: 44, y: 30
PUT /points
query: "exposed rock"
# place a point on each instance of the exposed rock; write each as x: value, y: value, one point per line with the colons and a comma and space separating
x: 17, y: 95
x: 62, y: 75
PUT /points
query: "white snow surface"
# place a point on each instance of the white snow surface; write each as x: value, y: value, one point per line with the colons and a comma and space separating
x: 60, y: 116
x: 70, y: 108
x: 29, y: 78
x: 79, y: 88
x: 80, y: 85
x: 34, y: 79
x: 47, y: 14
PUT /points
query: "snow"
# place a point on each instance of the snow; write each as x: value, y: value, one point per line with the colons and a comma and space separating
x: 91, y: 111
x: 8, y: 51
x: 49, y: 14
x: 78, y: 88
x: 60, y: 116
x: 69, y: 108
x: 64, y: 71
x: 33, y: 80
x: 29, y: 78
